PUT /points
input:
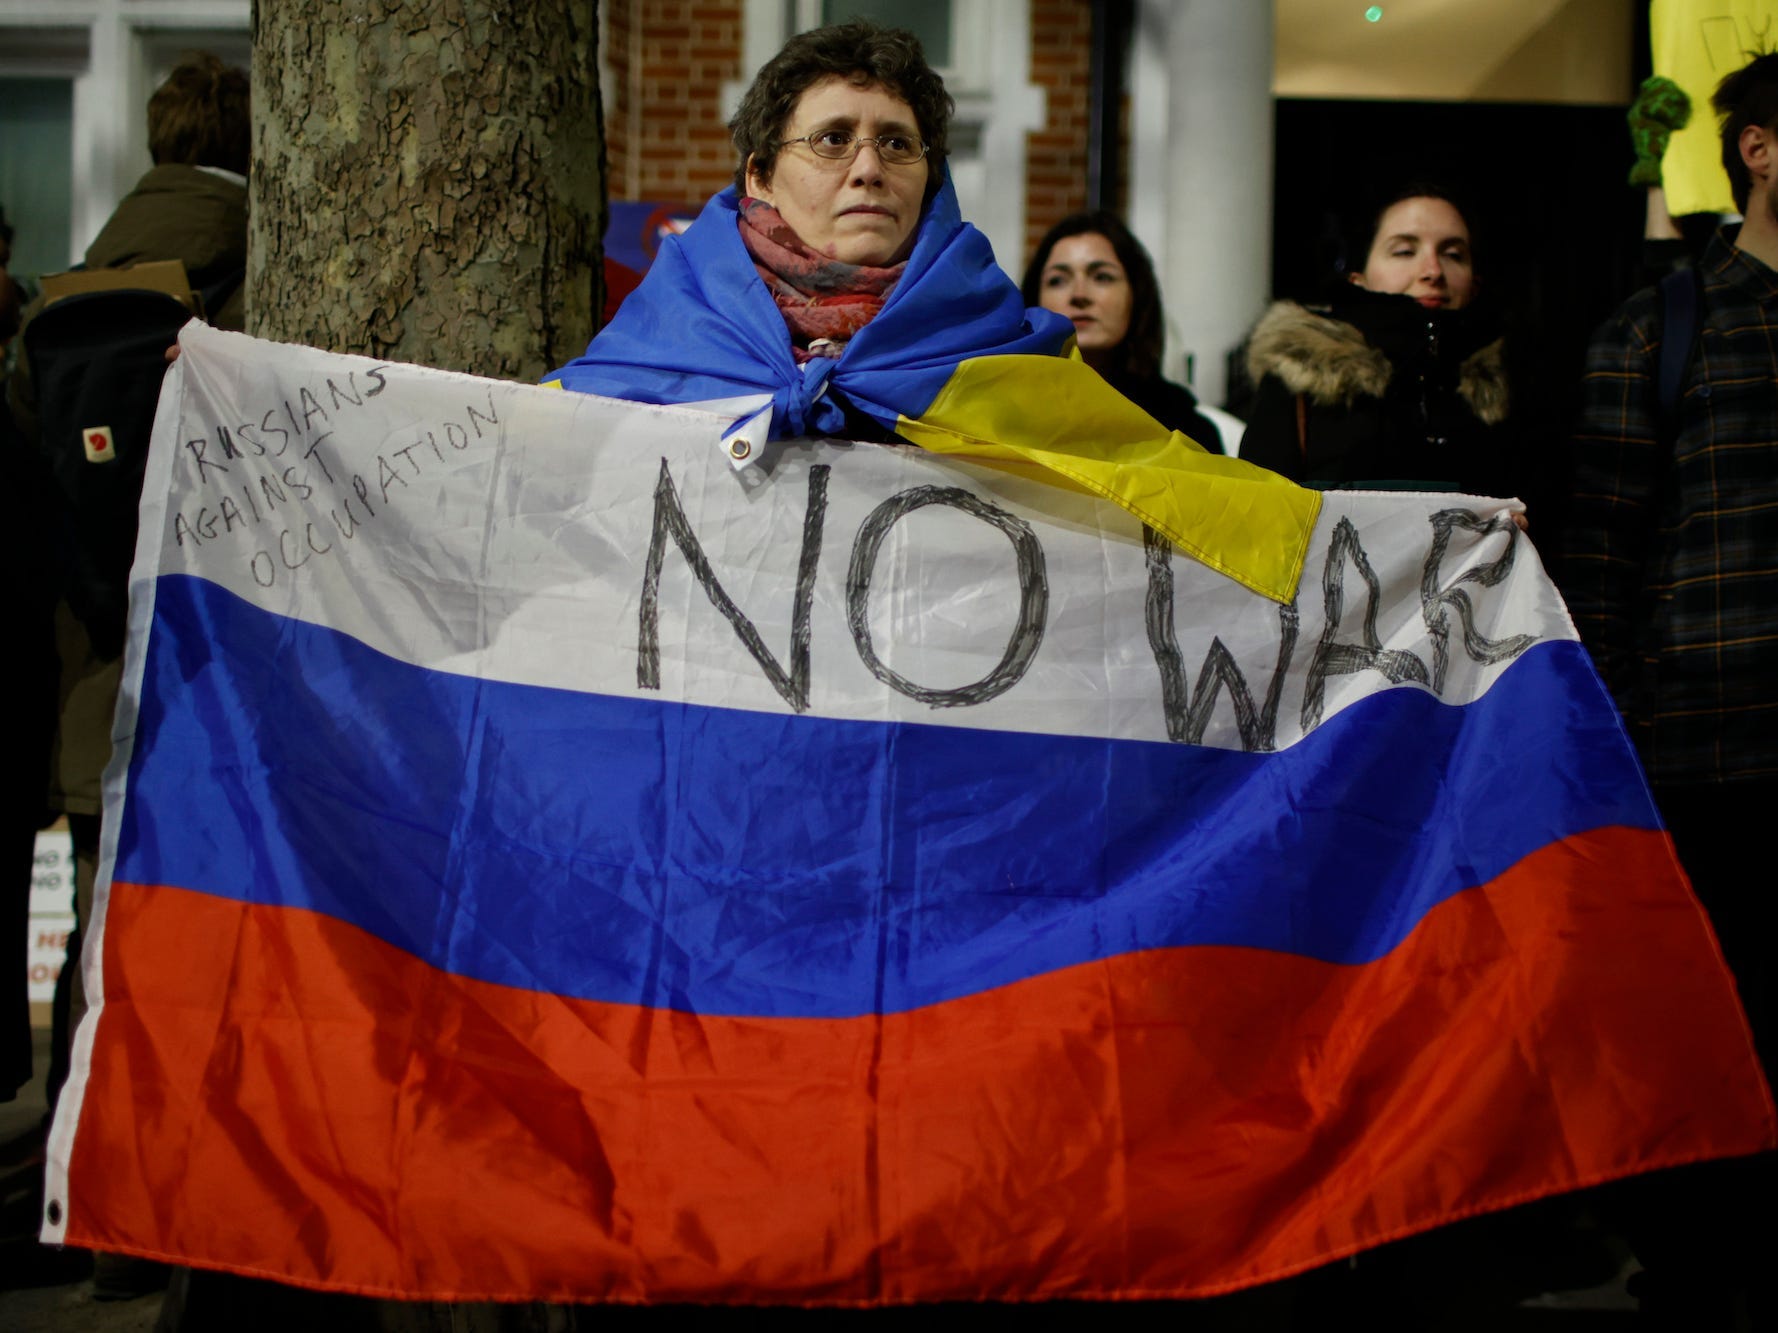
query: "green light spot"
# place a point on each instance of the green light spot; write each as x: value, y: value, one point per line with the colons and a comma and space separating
x: 1374, y: 14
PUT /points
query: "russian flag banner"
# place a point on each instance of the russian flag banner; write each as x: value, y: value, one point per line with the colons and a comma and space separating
x: 542, y: 862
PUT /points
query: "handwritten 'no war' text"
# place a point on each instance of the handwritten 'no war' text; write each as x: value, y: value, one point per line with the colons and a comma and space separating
x: 1187, y: 709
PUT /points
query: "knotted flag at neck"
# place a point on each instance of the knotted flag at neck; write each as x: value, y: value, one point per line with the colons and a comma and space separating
x: 954, y: 363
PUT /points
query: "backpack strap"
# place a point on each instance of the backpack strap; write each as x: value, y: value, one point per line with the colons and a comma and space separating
x: 1682, y: 316
x: 1682, y: 319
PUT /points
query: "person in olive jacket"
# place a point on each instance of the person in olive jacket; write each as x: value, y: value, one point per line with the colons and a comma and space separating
x: 190, y: 206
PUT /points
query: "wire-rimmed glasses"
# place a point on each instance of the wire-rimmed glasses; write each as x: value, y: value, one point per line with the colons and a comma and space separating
x: 895, y: 150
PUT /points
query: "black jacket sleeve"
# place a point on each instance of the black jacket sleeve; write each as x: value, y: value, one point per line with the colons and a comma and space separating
x: 1271, y: 438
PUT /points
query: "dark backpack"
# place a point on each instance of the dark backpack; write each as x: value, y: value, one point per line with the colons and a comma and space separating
x: 97, y: 361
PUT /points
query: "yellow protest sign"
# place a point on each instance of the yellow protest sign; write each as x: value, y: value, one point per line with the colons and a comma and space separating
x: 1696, y: 43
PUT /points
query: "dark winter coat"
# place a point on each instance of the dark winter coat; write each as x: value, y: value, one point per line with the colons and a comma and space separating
x: 1375, y: 390
x: 1172, y: 405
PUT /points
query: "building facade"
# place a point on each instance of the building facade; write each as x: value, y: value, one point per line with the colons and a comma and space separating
x: 1194, y: 162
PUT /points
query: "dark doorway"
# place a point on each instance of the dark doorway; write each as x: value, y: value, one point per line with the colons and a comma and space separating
x: 1559, y: 232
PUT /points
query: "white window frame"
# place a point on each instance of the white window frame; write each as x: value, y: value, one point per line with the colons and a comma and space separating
x: 106, y: 48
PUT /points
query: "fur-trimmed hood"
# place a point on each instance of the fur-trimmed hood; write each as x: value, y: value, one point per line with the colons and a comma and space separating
x: 1332, y: 363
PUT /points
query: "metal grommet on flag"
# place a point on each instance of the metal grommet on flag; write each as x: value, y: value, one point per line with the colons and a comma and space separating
x: 745, y: 441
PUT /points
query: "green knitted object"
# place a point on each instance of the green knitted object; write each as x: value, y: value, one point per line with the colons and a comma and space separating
x: 1659, y: 109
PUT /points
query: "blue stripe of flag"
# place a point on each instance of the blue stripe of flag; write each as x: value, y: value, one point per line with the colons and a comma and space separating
x: 719, y: 861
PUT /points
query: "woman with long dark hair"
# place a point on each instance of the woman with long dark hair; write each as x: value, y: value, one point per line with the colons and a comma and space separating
x: 1092, y: 269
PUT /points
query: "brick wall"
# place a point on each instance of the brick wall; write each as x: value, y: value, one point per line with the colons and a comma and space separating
x: 1056, y: 155
x: 619, y: 95
x: 666, y: 136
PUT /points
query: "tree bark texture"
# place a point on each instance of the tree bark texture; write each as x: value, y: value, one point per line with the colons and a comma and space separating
x: 427, y: 186
x: 428, y: 180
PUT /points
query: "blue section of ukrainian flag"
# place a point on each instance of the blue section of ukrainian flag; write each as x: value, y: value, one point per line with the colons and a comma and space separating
x: 703, y: 326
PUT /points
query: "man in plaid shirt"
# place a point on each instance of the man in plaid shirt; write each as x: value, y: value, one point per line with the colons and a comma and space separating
x: 1671, y: 572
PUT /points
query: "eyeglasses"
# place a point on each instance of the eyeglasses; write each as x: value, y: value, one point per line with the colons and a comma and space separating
x: 895, y: 150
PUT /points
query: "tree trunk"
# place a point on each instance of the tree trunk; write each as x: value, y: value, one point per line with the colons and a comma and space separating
x: 428, y: 185
x: 428, y: 180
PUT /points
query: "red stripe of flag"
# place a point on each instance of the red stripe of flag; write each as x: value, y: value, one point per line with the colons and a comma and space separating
x: 278, y: 1093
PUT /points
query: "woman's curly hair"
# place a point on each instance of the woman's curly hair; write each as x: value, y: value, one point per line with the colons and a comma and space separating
x: 868, y: 55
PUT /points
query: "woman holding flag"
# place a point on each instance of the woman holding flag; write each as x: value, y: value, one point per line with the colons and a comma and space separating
x: 835, y: 290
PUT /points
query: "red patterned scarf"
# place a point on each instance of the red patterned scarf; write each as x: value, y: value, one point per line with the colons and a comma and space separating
x: 824, y: 301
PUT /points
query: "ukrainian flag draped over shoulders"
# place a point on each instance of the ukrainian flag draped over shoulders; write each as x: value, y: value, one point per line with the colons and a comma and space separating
x: 954, y: 363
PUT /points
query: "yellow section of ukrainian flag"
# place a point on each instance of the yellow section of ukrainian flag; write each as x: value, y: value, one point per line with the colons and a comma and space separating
x: 1060, y: 415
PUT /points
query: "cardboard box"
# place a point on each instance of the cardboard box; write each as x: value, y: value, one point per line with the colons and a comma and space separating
x: 162, y: 275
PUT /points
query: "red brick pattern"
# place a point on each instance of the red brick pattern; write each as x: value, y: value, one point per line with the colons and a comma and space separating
x: 1056, y: 155
x: 666, y: 138
x: 666, y: 134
